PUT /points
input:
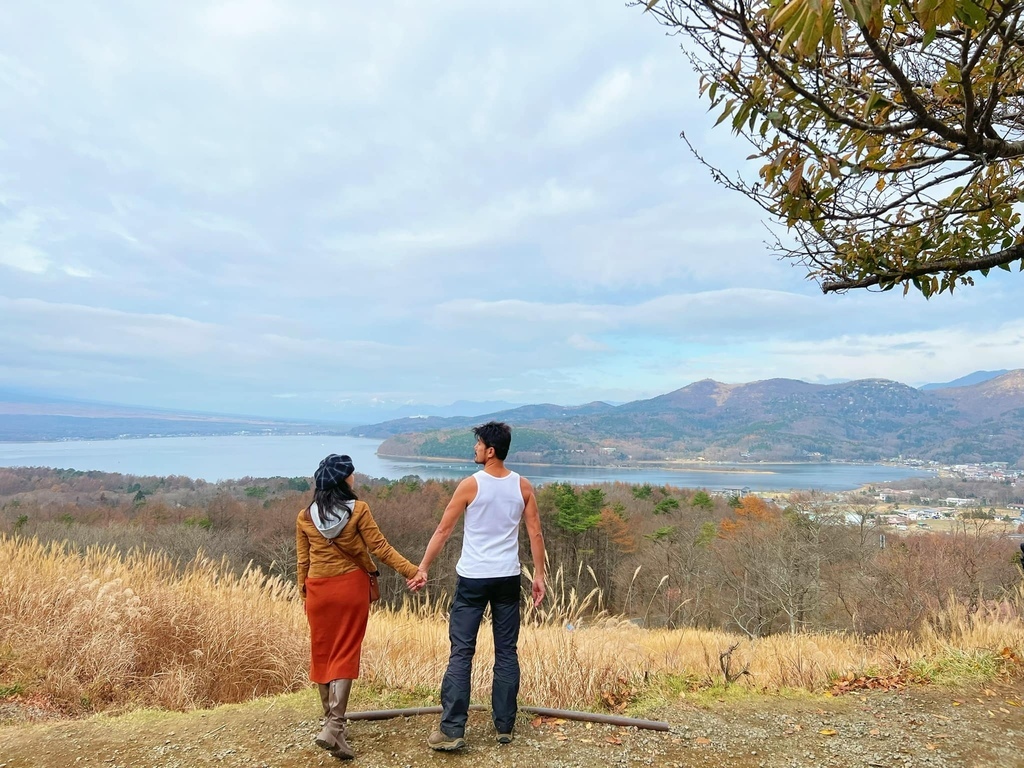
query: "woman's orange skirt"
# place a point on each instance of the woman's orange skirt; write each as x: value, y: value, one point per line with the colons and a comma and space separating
x: 337, y: 608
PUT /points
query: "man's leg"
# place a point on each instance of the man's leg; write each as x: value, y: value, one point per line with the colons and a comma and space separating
x: 505, y: 623
x: 463, y: 625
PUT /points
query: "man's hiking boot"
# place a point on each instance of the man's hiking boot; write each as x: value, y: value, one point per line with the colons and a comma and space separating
x: 504, y: 738
x: 442, y: 742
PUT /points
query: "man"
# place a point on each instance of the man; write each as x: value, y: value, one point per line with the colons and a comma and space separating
x: 495, y: 501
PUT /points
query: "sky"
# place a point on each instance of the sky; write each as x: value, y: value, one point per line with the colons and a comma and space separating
x: 320, y: 209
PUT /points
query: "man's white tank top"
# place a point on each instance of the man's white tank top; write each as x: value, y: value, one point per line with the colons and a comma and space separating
x: 490, y: 542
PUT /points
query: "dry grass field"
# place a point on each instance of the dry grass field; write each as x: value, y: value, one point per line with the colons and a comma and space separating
x: 103, y: 631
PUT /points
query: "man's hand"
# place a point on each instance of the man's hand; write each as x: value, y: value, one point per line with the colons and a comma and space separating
x: 417, y: 582
x: 538, y: 591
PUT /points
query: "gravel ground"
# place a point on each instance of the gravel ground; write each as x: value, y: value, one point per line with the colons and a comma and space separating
x: 914, y: 727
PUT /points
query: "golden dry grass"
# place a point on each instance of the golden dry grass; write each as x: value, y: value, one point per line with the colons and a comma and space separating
x: 99, y: 629
x: 102, y: 630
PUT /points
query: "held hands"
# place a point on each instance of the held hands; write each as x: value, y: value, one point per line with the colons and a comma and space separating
x: 417, y: 582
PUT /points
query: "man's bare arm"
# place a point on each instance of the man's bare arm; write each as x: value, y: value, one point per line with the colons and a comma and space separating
x: 531, y: 515
x: 461, y: 499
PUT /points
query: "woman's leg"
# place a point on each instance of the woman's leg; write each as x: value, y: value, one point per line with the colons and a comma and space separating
x: 324, y: 693
x: 332, y: 736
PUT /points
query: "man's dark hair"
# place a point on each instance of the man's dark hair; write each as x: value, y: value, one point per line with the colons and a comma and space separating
x: 496, y: 435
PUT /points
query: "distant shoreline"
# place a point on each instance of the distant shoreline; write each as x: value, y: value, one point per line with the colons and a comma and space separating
x: 221, y: 458
x: 672, y: 465
x: 679, y: 465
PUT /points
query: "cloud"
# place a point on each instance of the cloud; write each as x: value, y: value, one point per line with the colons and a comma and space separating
x: 915, y: 358
x: 717, y: 316
x: 24, y: 257
x: 242, y: 19
x: 509, y: 218
x: 603, y: 107
x: 17, y: 243
x: 216, y: 204
x: 585, y: 343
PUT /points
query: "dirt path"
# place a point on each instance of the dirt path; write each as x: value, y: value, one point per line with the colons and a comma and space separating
x: 916, y: 727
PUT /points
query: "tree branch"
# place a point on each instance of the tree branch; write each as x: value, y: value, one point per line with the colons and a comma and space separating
x: 953, y: 266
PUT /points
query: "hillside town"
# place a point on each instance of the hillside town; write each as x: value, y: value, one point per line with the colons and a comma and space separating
x: 992, y: 498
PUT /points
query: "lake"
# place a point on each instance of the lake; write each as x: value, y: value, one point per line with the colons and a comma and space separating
x: 226, y: 458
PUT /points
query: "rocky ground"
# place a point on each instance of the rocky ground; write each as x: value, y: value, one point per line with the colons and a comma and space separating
x: 918, y: 726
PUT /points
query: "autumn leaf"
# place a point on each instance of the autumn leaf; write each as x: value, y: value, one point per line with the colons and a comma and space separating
x: 613, y: 739
x: 827, y: 732
x: 540, y: 720
x: 703, y: 741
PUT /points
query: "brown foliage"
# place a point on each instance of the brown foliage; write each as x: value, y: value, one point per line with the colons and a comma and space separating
x: 618, y: 531
x: 758, y: 567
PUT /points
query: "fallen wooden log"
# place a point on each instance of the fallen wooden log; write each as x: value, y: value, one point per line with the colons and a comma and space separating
x: 564, y: 714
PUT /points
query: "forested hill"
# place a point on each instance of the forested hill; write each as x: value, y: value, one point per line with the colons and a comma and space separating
x: 773, y: 420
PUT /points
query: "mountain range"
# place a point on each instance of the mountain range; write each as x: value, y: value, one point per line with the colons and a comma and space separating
x: 972, y: 378
x: 772, y: 420
x: 976, y: 418
x: 26, y: 416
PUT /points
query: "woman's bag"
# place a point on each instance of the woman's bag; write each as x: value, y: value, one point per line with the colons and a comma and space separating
x: 374, y: 587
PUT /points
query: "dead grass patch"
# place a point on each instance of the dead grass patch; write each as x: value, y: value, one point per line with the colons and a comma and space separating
x: 102, y: 631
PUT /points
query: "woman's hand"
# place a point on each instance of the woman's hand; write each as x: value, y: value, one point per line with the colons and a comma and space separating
x: 417, y: 582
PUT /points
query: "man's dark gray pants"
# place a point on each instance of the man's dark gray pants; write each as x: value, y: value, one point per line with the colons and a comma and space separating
x: 471, y: 597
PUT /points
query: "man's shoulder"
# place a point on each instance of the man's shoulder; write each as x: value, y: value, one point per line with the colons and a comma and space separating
x: 466, y: 491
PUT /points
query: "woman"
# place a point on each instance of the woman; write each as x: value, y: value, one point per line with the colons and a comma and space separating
x: 334, y: 537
